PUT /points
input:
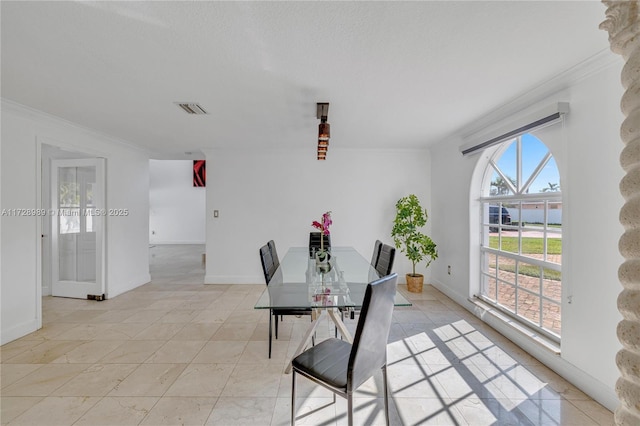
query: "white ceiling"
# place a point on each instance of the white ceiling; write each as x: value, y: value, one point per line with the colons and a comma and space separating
x: 396, y: 74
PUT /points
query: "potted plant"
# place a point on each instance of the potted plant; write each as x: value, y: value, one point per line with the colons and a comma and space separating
x: 410, y: 217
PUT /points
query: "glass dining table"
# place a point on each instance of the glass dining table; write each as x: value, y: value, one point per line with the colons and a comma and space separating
x: 300, y: 283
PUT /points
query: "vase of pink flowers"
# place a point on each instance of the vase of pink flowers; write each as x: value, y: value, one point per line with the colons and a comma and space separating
x: 322, y: 256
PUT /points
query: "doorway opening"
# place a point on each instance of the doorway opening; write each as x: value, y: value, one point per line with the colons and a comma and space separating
x: 73, y: 230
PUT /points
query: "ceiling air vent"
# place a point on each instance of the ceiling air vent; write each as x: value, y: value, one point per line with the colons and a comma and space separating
x: 191, y: 108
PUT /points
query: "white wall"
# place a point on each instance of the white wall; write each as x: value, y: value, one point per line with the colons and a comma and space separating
x: 23, y: 133
x: 587, y: 156
x: 536, y: 215
x: 177, y: 208
x: 277, y: 194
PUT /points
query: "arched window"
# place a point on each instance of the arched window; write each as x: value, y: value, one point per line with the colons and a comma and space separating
x: 521, y: 247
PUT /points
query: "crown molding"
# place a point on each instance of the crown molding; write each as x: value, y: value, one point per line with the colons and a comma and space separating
x: 585, y: 69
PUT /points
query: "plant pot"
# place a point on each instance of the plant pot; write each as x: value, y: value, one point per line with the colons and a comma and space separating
x: 415, y: 283
x: 322, y: 261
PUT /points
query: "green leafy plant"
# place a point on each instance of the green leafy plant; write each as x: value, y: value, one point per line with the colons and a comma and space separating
x: 410, y: 217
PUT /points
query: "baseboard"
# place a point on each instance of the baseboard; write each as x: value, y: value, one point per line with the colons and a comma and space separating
x: 18, y: 331
x: 579, y: 378
x: 133, y: 284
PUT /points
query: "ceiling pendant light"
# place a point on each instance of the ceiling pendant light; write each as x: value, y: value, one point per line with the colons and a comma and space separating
x: 324, y: 129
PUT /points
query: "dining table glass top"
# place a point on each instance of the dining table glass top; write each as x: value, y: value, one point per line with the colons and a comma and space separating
x: 300, y: 283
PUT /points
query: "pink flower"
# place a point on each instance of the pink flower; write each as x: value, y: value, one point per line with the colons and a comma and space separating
x: 326, y: 223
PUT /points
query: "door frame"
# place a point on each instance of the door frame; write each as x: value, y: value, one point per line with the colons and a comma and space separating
x: 48, y: 148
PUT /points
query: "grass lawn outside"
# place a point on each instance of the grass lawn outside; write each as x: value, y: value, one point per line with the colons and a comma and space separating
x: 530, y: 245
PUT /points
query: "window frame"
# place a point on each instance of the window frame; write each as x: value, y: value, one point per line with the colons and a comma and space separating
x: 490, y: 279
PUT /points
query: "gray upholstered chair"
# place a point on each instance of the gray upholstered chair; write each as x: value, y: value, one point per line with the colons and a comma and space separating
x: 387, y: 255
x: 376, y: 253
x: 270, y: 264
x: 274, y: 253
x: 342, y: 367
x: 375, y: 259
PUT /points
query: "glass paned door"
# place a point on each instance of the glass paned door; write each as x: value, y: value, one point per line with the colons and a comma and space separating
x: 77, y: 215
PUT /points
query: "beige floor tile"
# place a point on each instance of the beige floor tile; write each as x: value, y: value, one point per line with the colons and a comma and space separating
x: 107, y: 331
x: 558, y: 411
x: 180, y: 411
x: 88, y: 352
x: 235, y: 331
x: 11, y: 373
x: 55, y: 410
x: 121, y: 411
x: 367, y: 411
x: 410, y: 316
x: 309, y: 411
x: 159, y: 331
x: 202, y: 380
x: 13, y: 406
x: 132, y: 352
x: 252, y: 316
x: 402, y: 352
x: 285, y: 327
x: 244, y: 382
x: 220, y: 351
x: 148, y: 380
x: 97, y: 380
x: 166, y: 304
x: 597, y: 412
x: 224, y: 303
x: 198, y: 305
x: 176, y: 352
x: 82, y: 316
x: 16, y: 347
x: 242, y: 411
x: 304, y: 388
x: 146, y: 316
x: 120, y: 331
x: 197, y: 331
x: 213, y: 316
x: 489, y: 411
x: 429, y: 411
x: 50, y: 330
x: 180, y: 316
x: 44, y: 380
x: 49, y: 315
x: 45, y: 352
x: 115, y: 316
x: 250, y: 300
x: 256, y: 352
x: 406, y: 381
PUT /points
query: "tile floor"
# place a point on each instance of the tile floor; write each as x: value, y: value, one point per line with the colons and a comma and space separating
x: 177, y: 352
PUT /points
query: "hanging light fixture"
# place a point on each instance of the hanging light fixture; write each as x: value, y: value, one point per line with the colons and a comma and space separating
x: 324, y: 130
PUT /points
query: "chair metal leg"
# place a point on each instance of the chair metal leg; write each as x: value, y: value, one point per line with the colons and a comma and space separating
x: 270, y: 319
x: 386, y: 394
x: 293, y: 398
x: 350, y: 408
x: 276, y: 318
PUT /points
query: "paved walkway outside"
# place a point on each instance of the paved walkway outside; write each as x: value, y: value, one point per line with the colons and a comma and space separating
x: 528, y: 305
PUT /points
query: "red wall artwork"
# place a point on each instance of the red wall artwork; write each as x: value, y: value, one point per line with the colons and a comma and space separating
x: 199, y: 173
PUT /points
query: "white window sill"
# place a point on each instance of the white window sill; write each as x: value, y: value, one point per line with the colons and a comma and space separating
x: 493, y: 317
